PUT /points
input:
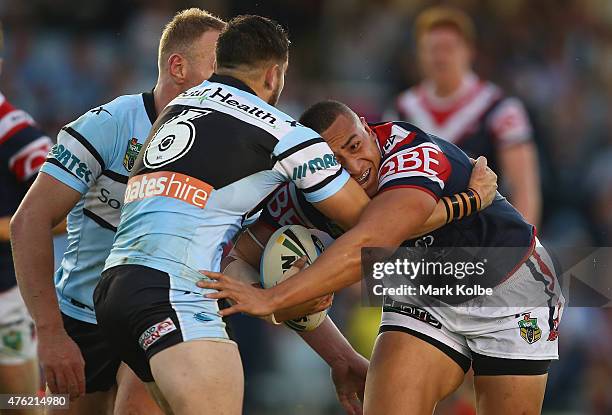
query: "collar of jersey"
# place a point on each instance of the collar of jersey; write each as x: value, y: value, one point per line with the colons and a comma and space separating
x: 231, y: 81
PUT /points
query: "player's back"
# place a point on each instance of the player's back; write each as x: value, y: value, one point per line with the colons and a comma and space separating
x: 94, y: 155
x: 214, y: 154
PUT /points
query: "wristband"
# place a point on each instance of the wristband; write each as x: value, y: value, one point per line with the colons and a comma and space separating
x: 461, y: 205
x: 475, y: 197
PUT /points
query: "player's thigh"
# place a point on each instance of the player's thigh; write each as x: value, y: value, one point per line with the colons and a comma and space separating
x: 23, y: 379
x: 200, y: 377
x: 510, y: 394
x: 408, y: 375
x: 20, y: 378
x: 95, y: 403
x: 133, y: 398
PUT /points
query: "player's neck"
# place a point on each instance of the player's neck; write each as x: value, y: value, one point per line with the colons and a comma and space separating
x: 253, y: 79
x: 164, y: 92
x: 447, y: 88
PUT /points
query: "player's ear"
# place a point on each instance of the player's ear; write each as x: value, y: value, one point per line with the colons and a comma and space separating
x: 177, y: 68
x: 366, y: 126
x: 272, y: 77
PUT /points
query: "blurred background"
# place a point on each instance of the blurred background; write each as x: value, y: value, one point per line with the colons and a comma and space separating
x: 63, y: 57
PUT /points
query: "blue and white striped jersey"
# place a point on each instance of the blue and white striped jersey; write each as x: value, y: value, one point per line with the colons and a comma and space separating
x: 94, y: 155
x: 215, y: 153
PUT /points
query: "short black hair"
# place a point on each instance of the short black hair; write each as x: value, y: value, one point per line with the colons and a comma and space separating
x: 251, y: 39
x: 322, y: 115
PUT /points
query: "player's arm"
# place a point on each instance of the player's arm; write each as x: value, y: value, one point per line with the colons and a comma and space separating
x: 482, y: 187
x: 518, y: 157
x: 32, y: 240
x: 402, y: 210
x: 72, y: 167
x: 348, y: 368
x: 519, y: 164
x: 32, y: 243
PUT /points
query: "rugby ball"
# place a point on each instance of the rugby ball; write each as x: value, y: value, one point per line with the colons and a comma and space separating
x: 284, y: 247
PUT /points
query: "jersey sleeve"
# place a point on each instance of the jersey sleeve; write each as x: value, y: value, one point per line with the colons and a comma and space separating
x: 422, y: 166
x: 83, y: 151
x: 305, y: 159
x: 510, y: 124
x: 287, y: 205
x: 24, y: 153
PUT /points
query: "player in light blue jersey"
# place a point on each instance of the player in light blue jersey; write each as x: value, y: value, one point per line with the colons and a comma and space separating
x: 212, y: 156
x: 85, y: 177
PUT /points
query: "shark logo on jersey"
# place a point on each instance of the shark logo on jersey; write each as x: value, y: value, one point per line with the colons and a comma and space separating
x: 131, y: 153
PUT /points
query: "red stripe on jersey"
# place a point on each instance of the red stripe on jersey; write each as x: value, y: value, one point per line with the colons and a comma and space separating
x: 390, y: 138
x: 5, y: 108
x: 30, y: 159
x: 441, y: 116
x: 14, y: 130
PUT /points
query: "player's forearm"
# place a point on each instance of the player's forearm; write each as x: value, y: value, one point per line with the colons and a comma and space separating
x: 387, y: 221
x: 32, y: 244
x: 328, y: 342
x: 438, y: 218
x: 338, y: 267
x: 529, y: 204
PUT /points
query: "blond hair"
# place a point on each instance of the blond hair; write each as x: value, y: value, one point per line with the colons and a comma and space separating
x: 444, y: 16
x: 185, y: 28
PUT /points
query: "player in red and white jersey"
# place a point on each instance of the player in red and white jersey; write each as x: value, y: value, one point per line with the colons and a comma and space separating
x: 454, y: 103
x: 23, y: 150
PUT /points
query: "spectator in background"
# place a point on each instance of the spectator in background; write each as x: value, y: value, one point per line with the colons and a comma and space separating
x: 452, y: 102
x: 23, y: 150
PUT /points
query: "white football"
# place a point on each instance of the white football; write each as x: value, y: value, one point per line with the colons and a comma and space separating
x: 286, y: 246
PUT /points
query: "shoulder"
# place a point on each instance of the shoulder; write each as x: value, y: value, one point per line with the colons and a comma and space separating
x: 114, y: 112
x: 394, y: 136
x: 101, y: 124
x: 244, y: 107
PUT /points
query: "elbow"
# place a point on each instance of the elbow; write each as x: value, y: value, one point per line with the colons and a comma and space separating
x: 17, y: 225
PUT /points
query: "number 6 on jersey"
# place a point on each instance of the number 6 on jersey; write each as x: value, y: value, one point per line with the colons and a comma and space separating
x: 173, y: 139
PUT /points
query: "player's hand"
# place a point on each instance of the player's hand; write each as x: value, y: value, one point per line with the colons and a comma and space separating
x: 307, y: 308
x: 484, y: 181
x: 246, y: 298
x: 62, y: 363
x: 349, y: 378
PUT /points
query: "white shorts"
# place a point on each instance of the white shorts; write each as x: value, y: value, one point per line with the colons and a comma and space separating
x: 17, y: 335
x: 483, y: 331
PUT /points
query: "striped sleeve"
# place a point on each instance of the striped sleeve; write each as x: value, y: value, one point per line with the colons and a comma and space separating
x: 84, y: 149
x: 304, y: 158
x: 23, y: 146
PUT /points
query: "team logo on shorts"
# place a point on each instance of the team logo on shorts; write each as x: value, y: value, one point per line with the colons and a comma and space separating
x: 13, y: 340
x: 133, y: 148
x: 530, y: 332
x: 201, y: 316
x: 156, y: 332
